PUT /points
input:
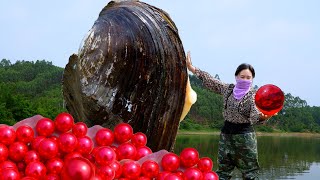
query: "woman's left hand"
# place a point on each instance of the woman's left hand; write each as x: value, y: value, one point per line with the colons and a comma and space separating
x: 264, y: 117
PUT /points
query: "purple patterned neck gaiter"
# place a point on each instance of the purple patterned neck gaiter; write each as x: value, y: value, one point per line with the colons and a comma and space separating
x: 241, y: 88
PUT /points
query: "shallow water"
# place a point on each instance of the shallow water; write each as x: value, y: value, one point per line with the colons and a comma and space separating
x: 280, y: 157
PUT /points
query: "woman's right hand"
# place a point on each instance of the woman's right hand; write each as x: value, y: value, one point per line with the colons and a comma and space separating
x: 189, y: 63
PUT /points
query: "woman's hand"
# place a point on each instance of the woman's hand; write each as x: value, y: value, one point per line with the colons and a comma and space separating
x: 264, y: 117
x: 189, y: 63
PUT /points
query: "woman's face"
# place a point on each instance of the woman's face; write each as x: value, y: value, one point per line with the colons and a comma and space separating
x: 245, y: 75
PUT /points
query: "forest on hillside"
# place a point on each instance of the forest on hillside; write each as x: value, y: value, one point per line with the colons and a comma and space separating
x: 28, y: 88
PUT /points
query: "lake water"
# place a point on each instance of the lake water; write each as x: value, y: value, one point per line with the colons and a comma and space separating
x: 280, y: 157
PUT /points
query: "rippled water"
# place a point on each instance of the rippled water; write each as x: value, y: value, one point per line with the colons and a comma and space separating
x: 280, y: 157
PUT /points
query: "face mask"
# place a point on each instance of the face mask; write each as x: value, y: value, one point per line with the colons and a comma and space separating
x: 241, y: 88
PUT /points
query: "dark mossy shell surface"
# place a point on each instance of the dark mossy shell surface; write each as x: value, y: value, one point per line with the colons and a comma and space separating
x: 130, y: 68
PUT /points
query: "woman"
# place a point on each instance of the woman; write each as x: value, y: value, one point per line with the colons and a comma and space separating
x: 238, y: 143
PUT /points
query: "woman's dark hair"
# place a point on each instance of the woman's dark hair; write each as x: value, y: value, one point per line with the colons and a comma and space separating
x: 245, y: 66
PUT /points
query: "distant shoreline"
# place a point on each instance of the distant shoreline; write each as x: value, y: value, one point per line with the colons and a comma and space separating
x: 284, y: 134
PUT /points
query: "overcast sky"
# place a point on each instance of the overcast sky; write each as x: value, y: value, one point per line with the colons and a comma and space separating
x: 280, y: 38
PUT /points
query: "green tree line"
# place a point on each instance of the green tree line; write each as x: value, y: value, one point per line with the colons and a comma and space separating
x: 28, y: 88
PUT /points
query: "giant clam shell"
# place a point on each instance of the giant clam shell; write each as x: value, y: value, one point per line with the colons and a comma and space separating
x: 130, y: 68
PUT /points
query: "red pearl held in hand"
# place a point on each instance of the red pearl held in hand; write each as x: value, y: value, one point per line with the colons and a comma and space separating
x: 269, y: 99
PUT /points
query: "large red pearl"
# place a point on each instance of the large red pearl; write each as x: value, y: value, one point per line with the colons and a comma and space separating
x: 269, y: 99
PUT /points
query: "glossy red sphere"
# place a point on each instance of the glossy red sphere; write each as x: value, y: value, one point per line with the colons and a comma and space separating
x: 31, y: 156
x: 67, y: 142
x: 105, y: 155
x: 205, y: 164
x: 36, y: 141
x: 63, y: 122
x: 117, y: 168
x: 193, y: 173
x: 45, y: 127
x: 17, y: 151
x: 10, y: 174
x: 131, y: 169
x: 269, y: 99
x: 72, y: 155
x: 170, y: 162
x: 104, y: 137
x: 77, y: 169
x: 142, y: 151
x: 139, y: 139
x: 54, y: 166
x: 8, y: 164
x: 126, y: 151
x: 7, y: 135
x: 150, y: 169
x: 123, y: 132
x: 48, y: 148
x: 105, y: 172
x: 85, y: 145
x: 79, y: 129
x: 210, y: 175
x: 36, y: 169
x: 173, y: 176
x: 162, y: 175
x: 189, y: 157
x: 4, y: 152
x: 24, y: 134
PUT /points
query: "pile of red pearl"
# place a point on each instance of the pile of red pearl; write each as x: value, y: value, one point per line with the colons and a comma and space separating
x: 61, y: 149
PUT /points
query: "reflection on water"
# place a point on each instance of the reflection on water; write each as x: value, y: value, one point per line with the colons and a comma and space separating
x: 279, y: 157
